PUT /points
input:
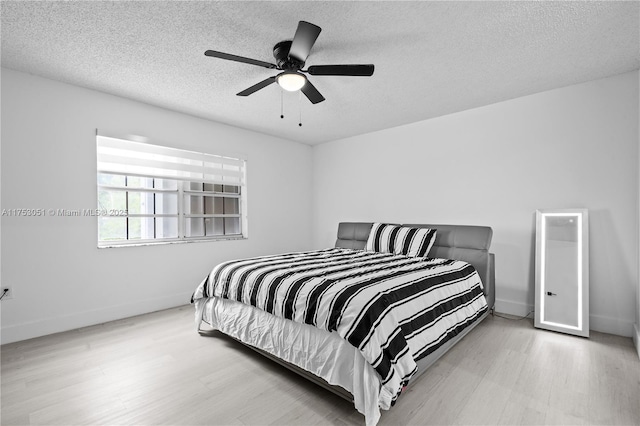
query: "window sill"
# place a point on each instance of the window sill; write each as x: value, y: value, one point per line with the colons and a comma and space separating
x: 160, y: 243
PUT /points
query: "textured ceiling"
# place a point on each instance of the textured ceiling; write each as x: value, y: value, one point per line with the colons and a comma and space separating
x: 431, y: 58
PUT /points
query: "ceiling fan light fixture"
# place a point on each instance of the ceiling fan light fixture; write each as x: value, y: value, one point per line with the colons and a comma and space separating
x: 291, y: 81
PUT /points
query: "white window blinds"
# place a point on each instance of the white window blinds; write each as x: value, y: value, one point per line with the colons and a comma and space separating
x: 119, y: 156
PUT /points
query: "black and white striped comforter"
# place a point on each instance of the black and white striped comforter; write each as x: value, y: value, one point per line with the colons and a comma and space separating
x: 394, y: 309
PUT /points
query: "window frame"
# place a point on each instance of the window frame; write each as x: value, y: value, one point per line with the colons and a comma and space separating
x: 183, y: 193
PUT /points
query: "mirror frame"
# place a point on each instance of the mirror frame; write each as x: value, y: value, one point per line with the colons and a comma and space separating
x: 582, y: 271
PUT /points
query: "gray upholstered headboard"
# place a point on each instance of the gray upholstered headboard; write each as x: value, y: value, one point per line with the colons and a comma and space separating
x: 461, y: 242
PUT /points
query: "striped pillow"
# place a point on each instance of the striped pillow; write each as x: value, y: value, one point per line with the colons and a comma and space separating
x: 397, y: 239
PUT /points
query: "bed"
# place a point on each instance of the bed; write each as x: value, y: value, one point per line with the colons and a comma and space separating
x: 317, y: 340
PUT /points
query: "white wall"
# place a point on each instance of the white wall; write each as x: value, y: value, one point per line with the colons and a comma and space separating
x: 570, y: 147
x: 59, y: 278
x: 636, y: 334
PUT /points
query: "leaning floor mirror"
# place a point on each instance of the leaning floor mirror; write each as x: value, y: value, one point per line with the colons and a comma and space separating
x: 562, y: 271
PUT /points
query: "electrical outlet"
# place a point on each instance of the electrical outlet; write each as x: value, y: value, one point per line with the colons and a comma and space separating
x: 8, y: 294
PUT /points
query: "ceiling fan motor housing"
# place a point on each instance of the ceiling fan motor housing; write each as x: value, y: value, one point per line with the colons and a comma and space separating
x: 281, y: 53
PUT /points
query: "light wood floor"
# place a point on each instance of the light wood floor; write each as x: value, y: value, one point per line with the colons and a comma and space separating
x: 155, y: 369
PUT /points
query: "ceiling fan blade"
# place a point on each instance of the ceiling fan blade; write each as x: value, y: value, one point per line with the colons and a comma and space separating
x: 312, y: 93
x: 237, y: 58
x: 303, y: 40
x: 256, y: 87
x: 351, y: 70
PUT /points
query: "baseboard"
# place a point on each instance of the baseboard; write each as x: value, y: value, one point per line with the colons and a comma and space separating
x: 599, y: 323
x: 46, y: 326
x: 512, y: 308
x: 610, y: 325
x: 636, y: 337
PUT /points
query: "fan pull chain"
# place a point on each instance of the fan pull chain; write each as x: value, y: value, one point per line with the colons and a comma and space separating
x: 300, y: 106
x: 281, y: 105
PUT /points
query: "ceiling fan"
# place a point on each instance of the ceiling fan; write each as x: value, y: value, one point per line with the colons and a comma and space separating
x: 290, y: 58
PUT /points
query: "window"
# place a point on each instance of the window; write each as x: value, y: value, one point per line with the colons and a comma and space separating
x: 150, y: 193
